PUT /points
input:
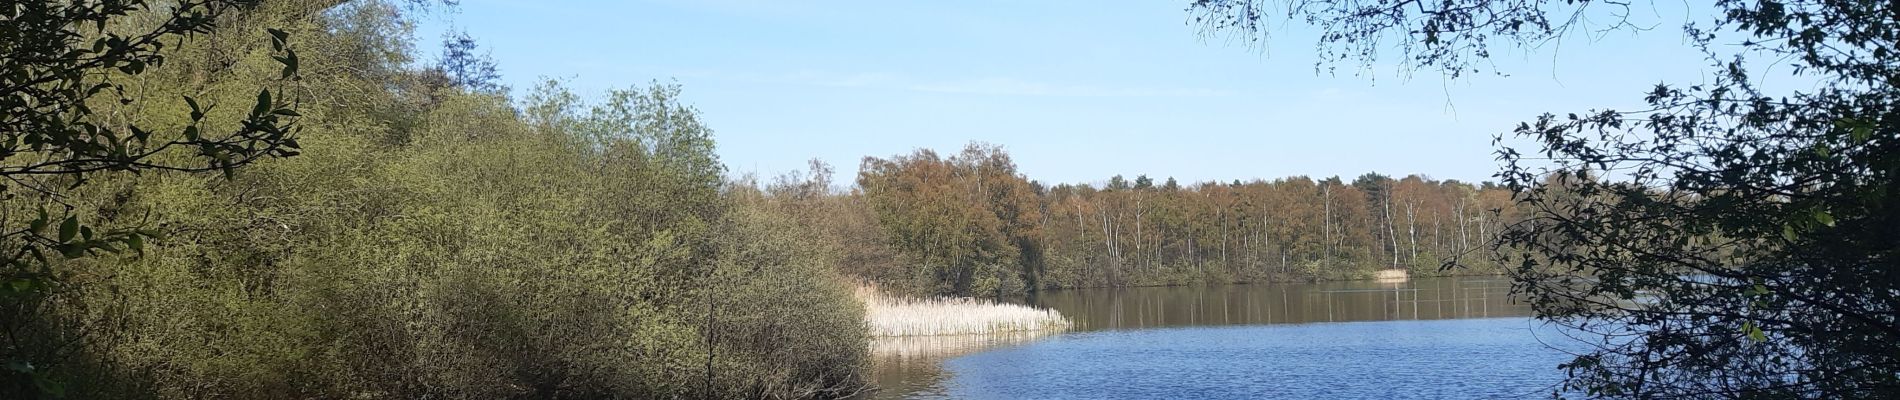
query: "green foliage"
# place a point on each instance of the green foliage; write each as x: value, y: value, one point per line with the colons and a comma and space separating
x: 67, y: 69
x: 432, y: 242
x: 782, y: 330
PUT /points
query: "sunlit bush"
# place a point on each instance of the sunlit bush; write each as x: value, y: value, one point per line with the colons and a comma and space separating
x: 437, y: 243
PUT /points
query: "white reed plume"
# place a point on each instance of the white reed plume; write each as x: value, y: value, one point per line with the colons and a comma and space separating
x: 888, y: 316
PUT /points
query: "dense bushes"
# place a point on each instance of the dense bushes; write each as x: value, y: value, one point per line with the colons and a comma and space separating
x: 434, y: 242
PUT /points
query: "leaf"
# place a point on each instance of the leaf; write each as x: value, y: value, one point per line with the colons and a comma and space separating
x: 263, y: 103
x: 136, y: 242
x: 1754, y: 333
x: 278, y: 38
x: 1823, y: 217
x: 72, y: 250
x: 197, y: 113
x: 39, y: 224
x: 1862, y: 132
x: 290, y: 63
x: 68, y: 229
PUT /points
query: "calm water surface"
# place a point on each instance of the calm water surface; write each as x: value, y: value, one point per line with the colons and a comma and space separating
x: 1424, y: 338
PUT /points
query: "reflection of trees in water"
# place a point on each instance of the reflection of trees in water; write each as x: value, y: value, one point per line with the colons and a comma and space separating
x: 1427, y: 298
x: 913, y: 365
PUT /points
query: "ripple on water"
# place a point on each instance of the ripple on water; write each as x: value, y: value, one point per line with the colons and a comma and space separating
x: 1475, y: 358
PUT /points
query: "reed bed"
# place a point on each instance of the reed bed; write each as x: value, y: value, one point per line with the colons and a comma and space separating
x: 1391, y: 276
x: 890, y: 316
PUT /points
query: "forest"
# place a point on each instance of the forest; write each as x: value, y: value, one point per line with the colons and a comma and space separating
x: 288, y: 199
x: 418, y: 233
x: 970, y: 224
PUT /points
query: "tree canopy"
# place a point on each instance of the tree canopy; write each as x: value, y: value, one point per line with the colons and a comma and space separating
x: 431, y: 238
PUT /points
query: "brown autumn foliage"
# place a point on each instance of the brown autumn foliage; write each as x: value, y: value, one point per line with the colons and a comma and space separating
x: 971, y: 225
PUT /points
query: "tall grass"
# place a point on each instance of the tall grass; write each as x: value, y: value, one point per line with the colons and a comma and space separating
x: 1391, y: 275
x: 890, y: 316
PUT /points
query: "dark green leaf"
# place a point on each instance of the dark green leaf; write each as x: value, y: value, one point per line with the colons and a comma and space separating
x: 39, y: 224
x: 197, y: 113
x: 290, y: 63
x: 278, y: 38
x: 263, y: 104
x: 68, y: 229
x: 71, y: 250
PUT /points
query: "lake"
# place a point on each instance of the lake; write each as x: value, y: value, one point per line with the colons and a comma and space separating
x: 1422, y: 338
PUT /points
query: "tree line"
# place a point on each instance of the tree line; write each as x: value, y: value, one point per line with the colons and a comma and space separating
x: 283, y: 199
x: 1141, y: 233
x: 971, y: 225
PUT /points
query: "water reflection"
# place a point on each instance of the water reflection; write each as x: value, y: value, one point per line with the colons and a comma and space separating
x: 1490, y: 358
x: 910, y: 347
x: 914, y: 367
x: 1158, y: 307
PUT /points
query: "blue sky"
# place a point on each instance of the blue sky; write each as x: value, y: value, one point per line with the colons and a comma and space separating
x: 1076, y: 91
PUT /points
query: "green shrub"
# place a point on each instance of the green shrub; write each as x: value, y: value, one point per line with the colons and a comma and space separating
x: 432, y: 242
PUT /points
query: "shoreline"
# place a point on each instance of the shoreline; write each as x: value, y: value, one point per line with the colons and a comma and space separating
x: 1262, y: 282
x: 900, y: 316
